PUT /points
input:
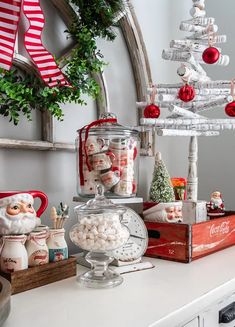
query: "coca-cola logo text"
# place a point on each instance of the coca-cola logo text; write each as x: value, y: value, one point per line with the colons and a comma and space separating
x: 223, y: 228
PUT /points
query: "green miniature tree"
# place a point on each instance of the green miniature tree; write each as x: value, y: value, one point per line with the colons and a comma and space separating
x: 161, y: 189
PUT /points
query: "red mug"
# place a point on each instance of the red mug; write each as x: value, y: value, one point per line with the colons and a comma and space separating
x: 34, y: 193
x: 17, y: 214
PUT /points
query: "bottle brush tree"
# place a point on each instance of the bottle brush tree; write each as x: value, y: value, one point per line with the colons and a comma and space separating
x: 161, y: 189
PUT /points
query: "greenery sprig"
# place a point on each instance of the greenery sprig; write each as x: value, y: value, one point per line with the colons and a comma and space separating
x: 22, y: 94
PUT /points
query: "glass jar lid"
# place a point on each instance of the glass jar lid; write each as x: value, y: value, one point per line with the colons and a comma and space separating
x: 112, y: 127
x: 100, y: 204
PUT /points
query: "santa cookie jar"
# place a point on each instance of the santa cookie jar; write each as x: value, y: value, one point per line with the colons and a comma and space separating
x: 17, y: 214
x: 169, y: 212
x: 215, y: 208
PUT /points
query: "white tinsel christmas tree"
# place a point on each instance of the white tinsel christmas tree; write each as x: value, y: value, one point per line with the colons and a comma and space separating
x: 161, y: 189
x: 187, y: 101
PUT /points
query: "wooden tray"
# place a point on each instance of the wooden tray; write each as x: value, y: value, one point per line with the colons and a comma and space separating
x: 33, y: 277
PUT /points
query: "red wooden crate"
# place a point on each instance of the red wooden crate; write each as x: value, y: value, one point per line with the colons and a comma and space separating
x: 184, y: 243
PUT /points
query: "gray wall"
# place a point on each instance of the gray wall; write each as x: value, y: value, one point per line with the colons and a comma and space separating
x: 160, y: 21
x: 55, y: 172
x: 217, y: 160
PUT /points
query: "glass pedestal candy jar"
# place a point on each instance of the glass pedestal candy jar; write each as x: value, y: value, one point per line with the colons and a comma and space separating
x: 99, y: 230
x: 107, y: 154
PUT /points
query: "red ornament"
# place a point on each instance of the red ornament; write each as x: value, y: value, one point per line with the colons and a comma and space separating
x: 211, y: 55
x: 230, y: 109
x: 152, y: 111
x: 186, y: 93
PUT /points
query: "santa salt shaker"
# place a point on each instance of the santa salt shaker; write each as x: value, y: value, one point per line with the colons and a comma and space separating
x: 215, y: 208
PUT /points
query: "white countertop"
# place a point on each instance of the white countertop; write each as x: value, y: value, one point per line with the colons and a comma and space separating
x: 169, y: 292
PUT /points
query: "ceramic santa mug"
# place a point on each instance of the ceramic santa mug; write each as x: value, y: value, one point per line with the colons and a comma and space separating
x: 170, y: 212
x: 110, y: 178
x: 123, y: 149
x: 17, y: 214
x: 94, y: 145
x: 102, y: 161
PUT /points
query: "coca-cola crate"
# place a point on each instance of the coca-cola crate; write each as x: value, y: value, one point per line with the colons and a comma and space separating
x: 184, y: 243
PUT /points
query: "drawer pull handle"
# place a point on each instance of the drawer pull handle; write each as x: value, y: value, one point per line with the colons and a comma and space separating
x: 227, y: 314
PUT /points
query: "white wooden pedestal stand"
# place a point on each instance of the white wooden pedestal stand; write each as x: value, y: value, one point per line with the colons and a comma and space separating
x: 194, y: 211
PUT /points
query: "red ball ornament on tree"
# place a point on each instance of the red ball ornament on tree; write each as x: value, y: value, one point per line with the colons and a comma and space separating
x: 230, y: 109
x: 186, y: 93
x: 211, y: 55
x: 152, y: 111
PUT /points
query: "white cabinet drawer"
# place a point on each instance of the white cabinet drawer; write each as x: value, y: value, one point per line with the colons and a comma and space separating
x: 211, y: 315
x: 192, y: 323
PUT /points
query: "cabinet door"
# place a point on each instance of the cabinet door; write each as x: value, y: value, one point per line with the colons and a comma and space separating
x: 192, y: 323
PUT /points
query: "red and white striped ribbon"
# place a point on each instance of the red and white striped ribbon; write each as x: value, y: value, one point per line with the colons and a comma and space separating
x: 43, y: 59
x: 9, y: 19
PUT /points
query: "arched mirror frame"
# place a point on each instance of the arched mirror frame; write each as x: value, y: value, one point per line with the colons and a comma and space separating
x: 140, y: 66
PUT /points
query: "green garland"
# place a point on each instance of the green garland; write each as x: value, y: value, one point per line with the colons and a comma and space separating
x: 18, y: 94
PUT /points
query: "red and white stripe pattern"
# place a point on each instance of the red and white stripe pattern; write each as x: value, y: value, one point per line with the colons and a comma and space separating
x: 9, y: 19
x: 49, y: 71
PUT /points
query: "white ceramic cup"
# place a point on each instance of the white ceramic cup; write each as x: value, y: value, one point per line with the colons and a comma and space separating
x: 91, y: 179
x: 127, y: 173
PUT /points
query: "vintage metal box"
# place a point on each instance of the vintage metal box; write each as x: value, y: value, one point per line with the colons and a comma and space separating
x: 185, y: 242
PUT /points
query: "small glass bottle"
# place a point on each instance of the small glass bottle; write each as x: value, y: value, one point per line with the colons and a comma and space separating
x: 14, y: 255
x: 37, y: 248
x: 58, y: 249
x: 100, y: 231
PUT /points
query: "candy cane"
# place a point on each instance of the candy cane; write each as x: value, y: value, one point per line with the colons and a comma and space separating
x: 9, y: 20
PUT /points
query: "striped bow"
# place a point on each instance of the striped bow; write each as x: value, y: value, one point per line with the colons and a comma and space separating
x: 9, y: 20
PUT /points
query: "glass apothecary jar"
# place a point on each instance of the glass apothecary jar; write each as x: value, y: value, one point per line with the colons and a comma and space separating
x: 99, y: 230
x: 107, y: 154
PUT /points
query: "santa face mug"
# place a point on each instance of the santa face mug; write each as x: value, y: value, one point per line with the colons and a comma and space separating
x: 102, y: 161
x: 110, y: 179
x: 170, y: 212
x: 94, y: 145
x: 123, y: 144
x: 17, y: 214
x: 125, y: 151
